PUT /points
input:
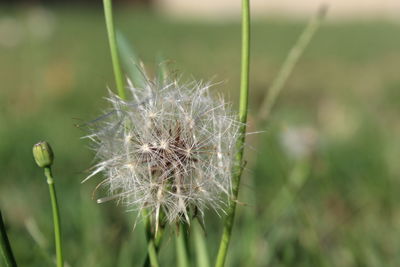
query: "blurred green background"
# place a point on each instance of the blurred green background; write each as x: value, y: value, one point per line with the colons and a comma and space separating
x: 321, y: 186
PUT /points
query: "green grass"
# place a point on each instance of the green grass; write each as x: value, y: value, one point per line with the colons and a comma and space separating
x: 346, y: 87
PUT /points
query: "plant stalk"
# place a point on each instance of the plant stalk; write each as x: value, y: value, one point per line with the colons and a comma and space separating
x: 243, y: 109
x: 6, y: 249
x: 152, y: 253
x: 56, y: 217
x: 119, y: 78
x: 181, y: 244
x: 200, y: 245
x: 153, y: 242
x: 290, y: 62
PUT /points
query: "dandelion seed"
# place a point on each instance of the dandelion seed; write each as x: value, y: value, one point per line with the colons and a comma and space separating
x: 170, y: 149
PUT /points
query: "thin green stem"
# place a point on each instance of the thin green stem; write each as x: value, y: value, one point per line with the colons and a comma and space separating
x: 182, y: 247
x: 56, y: 216
x: 290, y: 62
x: 119, y: 78
x: 6, y: 250
x: 243, y: 109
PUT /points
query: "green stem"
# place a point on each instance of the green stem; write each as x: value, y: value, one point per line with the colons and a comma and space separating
x: 56, y: 216
x: 147, y: 224
x: 243, y: 109
x: 153, y: 242
x: 201, y: 247
x: 156, y: 242
x: 290, y: 62
x: 182, y: 247
x: 158, y: 237
x: 6, y: 250
x: 152, y: 253
x: 119, y: 78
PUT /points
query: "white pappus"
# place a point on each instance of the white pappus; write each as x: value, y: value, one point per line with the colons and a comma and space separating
x: 169, y: 148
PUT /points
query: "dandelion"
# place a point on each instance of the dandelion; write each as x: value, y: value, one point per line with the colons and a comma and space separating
x: 169, y: 149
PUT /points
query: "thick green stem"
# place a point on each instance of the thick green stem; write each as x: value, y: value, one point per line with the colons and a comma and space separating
x: 200, y: 245
x: 56, y: 216
x: 152, y: 252
x: 290, y: 62
x: 119, y: 78
x: 6, y: 250
x: 243, y: 108
x: 182, y: 247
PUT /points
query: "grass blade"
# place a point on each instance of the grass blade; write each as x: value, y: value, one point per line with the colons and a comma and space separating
x: 290, y: 62
x: 6, y: 250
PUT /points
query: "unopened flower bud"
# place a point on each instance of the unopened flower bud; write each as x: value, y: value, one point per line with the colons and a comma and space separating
x: 43, y: 154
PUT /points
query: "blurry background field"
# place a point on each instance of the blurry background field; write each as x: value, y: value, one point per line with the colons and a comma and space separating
x: 321, y: 186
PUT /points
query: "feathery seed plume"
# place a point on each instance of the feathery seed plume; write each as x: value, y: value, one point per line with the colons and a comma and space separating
x: 168, y: 149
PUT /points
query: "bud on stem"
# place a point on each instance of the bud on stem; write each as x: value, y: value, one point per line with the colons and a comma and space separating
x: 44, y: 158
x: 43, y: 154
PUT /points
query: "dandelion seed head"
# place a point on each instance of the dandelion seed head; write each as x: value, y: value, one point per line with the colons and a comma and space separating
x: 170, y: 148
